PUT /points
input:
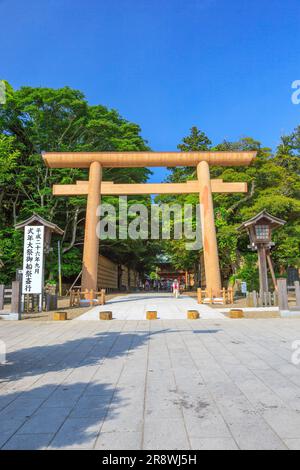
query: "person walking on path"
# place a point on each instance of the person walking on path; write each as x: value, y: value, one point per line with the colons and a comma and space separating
x: 175, y: 287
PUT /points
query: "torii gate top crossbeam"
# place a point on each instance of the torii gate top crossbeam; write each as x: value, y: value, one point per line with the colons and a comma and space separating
x: 145, y: 159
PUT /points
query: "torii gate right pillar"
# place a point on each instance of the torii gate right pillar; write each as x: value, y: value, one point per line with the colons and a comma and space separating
x: 209, y: 237
x: 91, y: 239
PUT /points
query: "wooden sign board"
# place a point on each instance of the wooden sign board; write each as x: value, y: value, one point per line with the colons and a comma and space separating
x: 33, y: 259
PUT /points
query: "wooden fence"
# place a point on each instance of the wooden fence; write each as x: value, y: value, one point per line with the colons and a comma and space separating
x: 5, y: 295
x: 268, y: 299
x: 92, y: 297
x: 206, y: 297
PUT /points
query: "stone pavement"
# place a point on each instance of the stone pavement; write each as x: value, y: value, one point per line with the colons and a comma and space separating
x: 134, y: 307
x: 165, y: 384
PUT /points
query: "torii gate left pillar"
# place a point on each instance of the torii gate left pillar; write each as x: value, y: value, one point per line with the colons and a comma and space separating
x: 91, y: 239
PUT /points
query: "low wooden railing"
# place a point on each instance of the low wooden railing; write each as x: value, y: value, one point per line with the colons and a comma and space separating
x: 206, y: 296
x: 5, y: 295
x: 94, y: 297
x: 268, y: 299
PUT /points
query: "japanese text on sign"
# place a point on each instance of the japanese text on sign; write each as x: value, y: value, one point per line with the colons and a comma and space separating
x: 33, y: 259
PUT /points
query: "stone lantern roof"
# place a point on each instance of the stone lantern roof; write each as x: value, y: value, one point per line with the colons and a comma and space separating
x: 262, y: 217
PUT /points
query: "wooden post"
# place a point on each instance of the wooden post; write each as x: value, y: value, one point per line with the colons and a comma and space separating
x: 269, y: 298
x: 263, y: 273
x: 15, y: 297
x: 91, y: 297
x: 199, y: 295
x: 297, y: 293
x: 210, y: 296
x: 230, y: 295
x: 209, y: 238
x: 102, y: 297
x: 71, y: 298
x: 60, y: 316
x: 86, y: 294
x: 236, y: 313
x: 249, y: 297
x: 282, y: 294
x: 224, y: 295
x: 1, y: 296
x: 151, y: 315
x: 192, y: 315
x: 270, y: 264
x: 77, y: 302
x: 91, y: 240
x: 254, y: 297
x: 105, y: 316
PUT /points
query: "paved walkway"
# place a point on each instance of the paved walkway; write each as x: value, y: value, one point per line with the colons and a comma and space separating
x: 134, y: 307
x: 214, y: 384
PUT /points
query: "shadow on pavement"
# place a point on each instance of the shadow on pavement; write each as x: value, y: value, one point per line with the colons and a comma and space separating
x: 59, y: 416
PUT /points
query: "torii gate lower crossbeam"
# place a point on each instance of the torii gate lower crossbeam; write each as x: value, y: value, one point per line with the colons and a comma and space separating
x: 93, y: 188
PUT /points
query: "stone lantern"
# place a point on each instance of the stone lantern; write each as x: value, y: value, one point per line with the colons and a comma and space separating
x: 260, y: 228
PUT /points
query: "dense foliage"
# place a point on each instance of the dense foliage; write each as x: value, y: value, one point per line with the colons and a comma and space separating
x: 34, y: 120
x: 274, y: 184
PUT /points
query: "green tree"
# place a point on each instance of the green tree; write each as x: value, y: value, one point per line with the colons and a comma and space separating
x: 196, y: 141
x: 175, y: 250
x: 273, y: 184
x: 34, y: 120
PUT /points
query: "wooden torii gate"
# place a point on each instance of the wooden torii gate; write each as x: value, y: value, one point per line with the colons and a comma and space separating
x: 95, y: 187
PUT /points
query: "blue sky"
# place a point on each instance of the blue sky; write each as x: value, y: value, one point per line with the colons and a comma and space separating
x: 225, y: 66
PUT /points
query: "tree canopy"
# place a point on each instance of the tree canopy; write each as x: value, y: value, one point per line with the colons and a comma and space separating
x: 274, y: 184
x: 34, y: 120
